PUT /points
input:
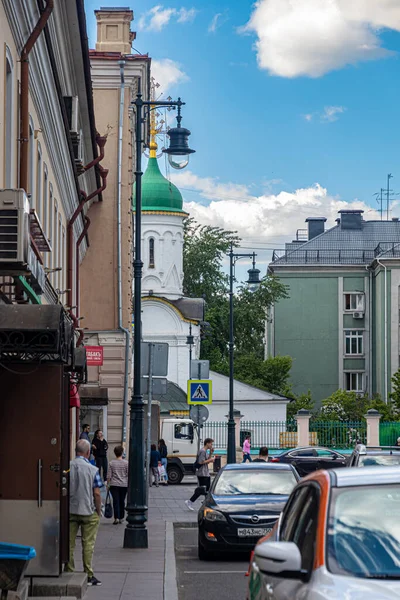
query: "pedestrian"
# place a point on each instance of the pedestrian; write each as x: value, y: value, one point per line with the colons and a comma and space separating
x: 100, y: 447
x: 203, y: 459
x: 262, y: 455
x: 398, y: 442
x: 246, y: 449
x: 117, y: 478
x: 163, y: 450
x: 84, y: 507
x: 155, y: 460
x: 85, y: 432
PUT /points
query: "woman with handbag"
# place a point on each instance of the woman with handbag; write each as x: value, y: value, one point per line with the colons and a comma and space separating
x: 117, y: 478
x: 163, y: 450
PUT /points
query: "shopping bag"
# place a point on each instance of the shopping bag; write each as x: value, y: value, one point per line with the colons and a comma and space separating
x: 108, y: 509
x: 161, y: 471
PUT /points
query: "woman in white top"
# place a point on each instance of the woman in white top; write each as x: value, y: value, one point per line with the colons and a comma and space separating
x: 117, y: 478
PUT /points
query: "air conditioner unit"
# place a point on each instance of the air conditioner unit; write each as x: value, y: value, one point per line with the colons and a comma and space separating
x: 14, y: 227
x: 358, y: 315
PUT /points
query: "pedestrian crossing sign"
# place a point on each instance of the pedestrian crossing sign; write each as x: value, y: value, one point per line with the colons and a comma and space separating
x: 199, y: 391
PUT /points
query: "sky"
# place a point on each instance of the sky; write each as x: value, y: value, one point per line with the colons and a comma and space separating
x: 293, y: 107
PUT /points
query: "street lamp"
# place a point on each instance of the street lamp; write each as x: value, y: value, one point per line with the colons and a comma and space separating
x: 135, y: 535
x: 253, y: 282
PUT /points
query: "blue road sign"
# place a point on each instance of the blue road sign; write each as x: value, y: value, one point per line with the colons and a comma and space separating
x: 199, y: 391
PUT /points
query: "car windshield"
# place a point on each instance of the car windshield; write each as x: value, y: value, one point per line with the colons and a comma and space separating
x: 364, y: 532
x: 252, y: 481
x: 385, y: 460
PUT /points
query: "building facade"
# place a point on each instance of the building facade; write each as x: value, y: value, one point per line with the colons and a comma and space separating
x: 49, y: 176
x: 340, y: 323
x: 106, y: 288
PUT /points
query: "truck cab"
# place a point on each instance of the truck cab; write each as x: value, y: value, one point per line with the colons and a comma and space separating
x: 181, y: 438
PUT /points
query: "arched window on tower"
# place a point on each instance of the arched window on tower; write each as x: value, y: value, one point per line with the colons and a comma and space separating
x: 151, y: 253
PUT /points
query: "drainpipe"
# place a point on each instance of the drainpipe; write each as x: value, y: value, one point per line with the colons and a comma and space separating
x: 386, y: 333
x: 119, y: 248
x: 77, y: 265
x: 370, y: 330
x: 101, y: 142
x: 70, y: 232
x: 24, y: 94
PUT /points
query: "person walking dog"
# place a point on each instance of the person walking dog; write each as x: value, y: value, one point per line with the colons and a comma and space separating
x: 84, y: 507
x: 246, y: 449
x: 117, y: 478
x: 204, y: 458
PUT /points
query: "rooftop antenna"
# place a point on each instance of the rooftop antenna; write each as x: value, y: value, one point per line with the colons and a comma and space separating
x: 388, y: 190
x: 389, y: 197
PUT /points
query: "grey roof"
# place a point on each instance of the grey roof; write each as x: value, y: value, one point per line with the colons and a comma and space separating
x: 174, y: 399
x: 345, y: 246
x: 191, y: 308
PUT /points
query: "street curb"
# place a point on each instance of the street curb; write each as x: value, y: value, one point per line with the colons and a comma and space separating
x: 170, y: 581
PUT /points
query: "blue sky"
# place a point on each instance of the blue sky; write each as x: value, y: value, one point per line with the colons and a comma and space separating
x: 299, y: 125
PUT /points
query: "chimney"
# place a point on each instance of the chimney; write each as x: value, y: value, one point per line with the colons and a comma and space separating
x: 395, y: 219
x: 351, y: 219
x: 316, y: 226
x: 113, y: 30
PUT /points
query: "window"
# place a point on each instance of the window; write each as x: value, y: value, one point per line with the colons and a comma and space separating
x: 354, y: 302
x: 250, y: 482
x: 9, y: 121
x: 151, y: 253
x: 39, y: 171
x: 354, y: 341
x: 184, y: 431
x: 354, y: 382
x: 303, y: 453
x: 45, y: 219
x: 31, y: 151
x: 51, y: 223
x: 59, y: 253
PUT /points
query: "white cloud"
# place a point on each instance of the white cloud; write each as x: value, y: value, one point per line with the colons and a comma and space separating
x: 167, y: 73
x: 266, y: 218
x: 213, y: 26
x: 331, y: 113
x: 312, y: 37
x: 328, y: 115
x: 158, y: 17
x: 186, y: 15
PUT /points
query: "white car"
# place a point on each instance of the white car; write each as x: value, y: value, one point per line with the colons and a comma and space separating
x: 338, y: 538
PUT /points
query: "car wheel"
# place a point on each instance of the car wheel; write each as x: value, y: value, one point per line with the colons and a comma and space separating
x: 175, y: 475
x: 203, y: 553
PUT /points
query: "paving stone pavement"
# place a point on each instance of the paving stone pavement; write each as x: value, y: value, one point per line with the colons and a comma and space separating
x: 138, y: 574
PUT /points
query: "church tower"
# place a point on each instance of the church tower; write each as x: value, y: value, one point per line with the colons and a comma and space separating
x: 162, y: 232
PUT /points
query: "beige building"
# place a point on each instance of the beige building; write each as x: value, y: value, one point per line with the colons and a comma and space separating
x: 106, y: 283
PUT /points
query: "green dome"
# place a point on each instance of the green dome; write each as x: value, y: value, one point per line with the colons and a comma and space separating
x: 158, y: 194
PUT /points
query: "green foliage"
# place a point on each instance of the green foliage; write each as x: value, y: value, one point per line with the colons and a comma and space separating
x: 395, y: 394
x: 204, y: 248
x: 271, y: 375
x: 349, y: 406
x: 304, y: 401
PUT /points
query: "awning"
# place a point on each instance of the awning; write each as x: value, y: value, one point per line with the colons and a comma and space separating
x: 74, y: 400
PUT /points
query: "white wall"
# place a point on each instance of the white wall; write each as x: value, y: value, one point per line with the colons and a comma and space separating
x: 251, y: 411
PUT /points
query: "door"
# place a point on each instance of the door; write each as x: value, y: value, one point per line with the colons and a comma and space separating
x: 183, y: 440
x: 32, y: 415
x: 329, y: 460
x: 304, y: 461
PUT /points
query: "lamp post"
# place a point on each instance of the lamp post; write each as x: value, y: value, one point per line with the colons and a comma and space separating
x: 253, y: 282
x: 190, y: 343
x: 136, y: 532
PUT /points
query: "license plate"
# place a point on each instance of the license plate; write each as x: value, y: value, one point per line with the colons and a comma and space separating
x: 253, y: 531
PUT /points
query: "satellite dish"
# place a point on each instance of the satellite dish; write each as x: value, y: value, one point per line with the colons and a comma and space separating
x: 199, y: 414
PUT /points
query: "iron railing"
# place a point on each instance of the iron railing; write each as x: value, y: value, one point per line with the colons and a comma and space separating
x: 338, y: 434
x: 389, y: 431
x: 349, y: 256
x: 388, y: 249
x: 273, y: 434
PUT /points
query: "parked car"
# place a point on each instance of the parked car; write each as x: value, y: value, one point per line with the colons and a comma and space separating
x: 243, y: 504
x: 309, y: 459
x: 380, y: 456
x: 329, y: 542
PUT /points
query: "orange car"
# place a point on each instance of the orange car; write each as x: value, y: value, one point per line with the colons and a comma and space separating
x: 338, y: 537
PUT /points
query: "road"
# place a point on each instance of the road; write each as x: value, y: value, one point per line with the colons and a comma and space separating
x: 221, y: 579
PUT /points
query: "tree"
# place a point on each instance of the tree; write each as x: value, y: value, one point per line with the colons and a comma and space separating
x: 304, y: 401
x: 395, y: 394
x: 349, y: 406
x: 204, y: 248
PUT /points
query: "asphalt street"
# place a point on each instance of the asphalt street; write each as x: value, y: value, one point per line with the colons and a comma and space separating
x: 220, y: 579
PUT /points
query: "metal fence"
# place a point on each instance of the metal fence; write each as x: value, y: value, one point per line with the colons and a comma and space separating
x: 218, y: 431
x: 273, y: 434
x: 338, y: 434
x: 388, y: 433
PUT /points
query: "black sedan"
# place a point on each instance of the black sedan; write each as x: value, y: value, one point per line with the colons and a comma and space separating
x: 243, y: 505
x: 307, y: 460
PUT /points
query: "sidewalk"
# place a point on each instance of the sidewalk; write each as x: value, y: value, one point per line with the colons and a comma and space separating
x: 139, y: 574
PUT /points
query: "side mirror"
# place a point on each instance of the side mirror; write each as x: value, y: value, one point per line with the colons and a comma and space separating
x: 334, y: 456
x: 280, y: 559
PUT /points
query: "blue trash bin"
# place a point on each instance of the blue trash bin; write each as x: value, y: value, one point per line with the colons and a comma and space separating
x: 14, y: 561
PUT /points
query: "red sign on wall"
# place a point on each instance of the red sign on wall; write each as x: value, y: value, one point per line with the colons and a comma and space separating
x: 94, y: 356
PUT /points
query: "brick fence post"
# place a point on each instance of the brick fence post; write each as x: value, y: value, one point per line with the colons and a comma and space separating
x: 373, y: 418
x: 303, y: 427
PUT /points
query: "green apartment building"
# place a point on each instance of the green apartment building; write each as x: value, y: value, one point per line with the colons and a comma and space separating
x: 340, y: 323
